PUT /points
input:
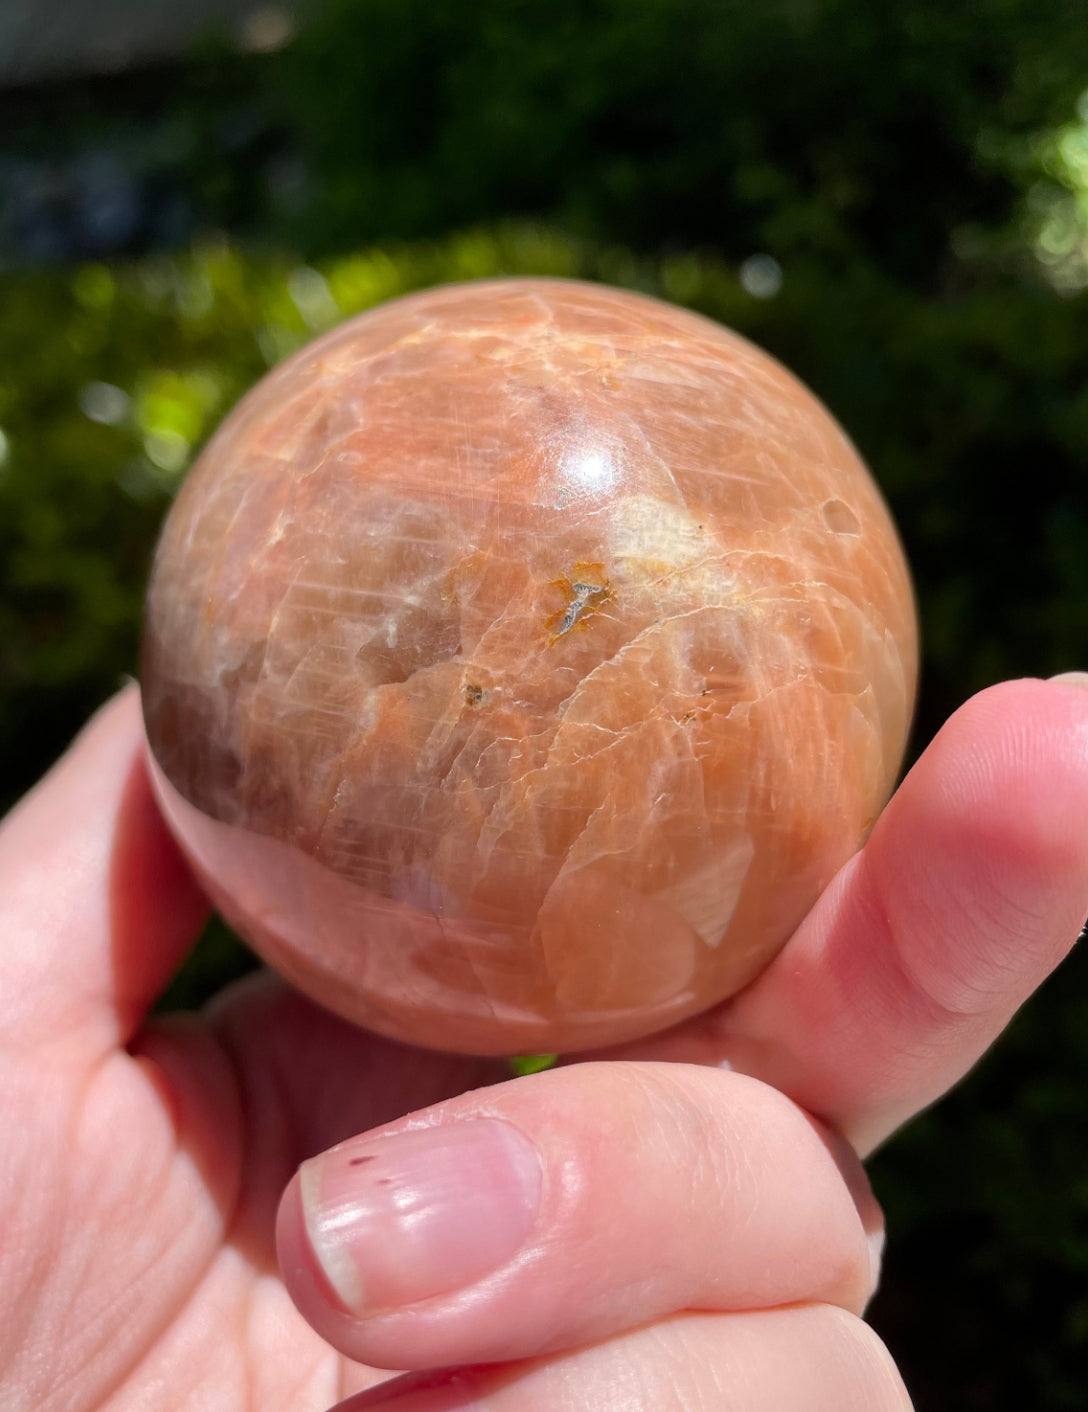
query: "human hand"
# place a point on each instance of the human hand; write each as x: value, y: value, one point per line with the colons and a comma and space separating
x: 138, y: 1204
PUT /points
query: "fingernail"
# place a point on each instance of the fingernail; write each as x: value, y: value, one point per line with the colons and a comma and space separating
x: 876, y: 1256
x: 393, y: 1220
x: 1073, y: 679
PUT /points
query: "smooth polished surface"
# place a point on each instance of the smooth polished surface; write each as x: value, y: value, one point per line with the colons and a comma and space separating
x: 521, y: 660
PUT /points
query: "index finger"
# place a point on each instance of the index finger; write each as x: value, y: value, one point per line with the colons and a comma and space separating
x: 98, y: 906
x: 971, y: 889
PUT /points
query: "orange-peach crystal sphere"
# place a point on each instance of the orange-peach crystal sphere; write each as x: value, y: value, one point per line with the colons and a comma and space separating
x: 521, y: 660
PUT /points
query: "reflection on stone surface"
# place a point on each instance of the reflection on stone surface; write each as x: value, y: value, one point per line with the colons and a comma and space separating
x: 521, y: 659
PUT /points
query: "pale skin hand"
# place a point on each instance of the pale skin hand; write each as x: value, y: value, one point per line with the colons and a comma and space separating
x: 699, y: 1242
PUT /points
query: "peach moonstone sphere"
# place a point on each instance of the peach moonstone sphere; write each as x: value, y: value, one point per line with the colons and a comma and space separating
x: 521, y: 660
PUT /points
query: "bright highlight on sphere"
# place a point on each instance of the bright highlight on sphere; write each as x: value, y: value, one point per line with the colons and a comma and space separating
x: 521, y: 660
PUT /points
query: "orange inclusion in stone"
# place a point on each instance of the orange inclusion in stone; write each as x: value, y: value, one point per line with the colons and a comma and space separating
x: 521, y: 660
x: 586, y: 595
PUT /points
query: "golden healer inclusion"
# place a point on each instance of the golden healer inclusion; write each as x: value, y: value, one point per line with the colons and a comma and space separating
x: 521, y: 660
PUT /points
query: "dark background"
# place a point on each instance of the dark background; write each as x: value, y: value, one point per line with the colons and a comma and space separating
x: 891, y: 198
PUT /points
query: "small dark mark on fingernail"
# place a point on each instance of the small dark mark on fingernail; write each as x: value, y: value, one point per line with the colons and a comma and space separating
x: 358, y: 1161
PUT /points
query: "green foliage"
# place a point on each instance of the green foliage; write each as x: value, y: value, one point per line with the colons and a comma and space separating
x: 523, y: 1064
x: 984, y: 1300
x: 918, y: 173
x: 827, y: 128
x: 1060, y: 202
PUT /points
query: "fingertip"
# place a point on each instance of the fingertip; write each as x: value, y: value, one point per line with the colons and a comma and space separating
x: 1078, y: 679
x: 1020, y: 748
x: 986, y: 845
x: 976, y: 884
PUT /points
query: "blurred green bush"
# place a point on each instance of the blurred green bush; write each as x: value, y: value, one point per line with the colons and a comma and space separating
x: 865, y: 135
x: 893, y: 199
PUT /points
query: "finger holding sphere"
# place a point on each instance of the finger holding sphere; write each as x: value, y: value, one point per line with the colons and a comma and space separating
x: 559, y: 1209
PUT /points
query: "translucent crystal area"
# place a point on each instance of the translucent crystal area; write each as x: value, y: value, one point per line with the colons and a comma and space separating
x: 521, y: 660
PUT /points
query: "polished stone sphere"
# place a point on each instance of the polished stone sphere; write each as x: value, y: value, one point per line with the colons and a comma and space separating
x: 521, y: 660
